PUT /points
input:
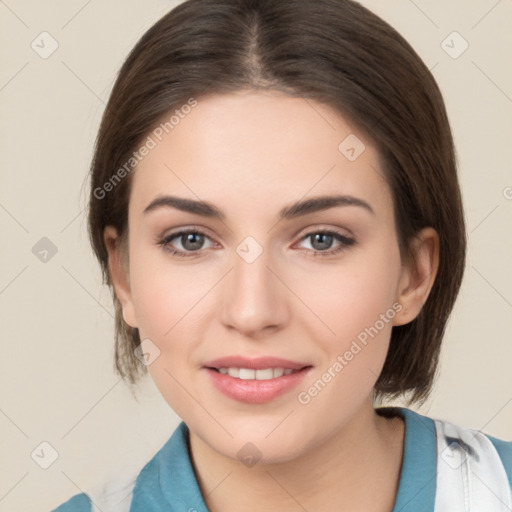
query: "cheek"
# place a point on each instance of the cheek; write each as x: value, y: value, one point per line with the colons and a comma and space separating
x: 162, y: 292
x: 352, y: 322
x: 350, y: 297
x: 170, y: 301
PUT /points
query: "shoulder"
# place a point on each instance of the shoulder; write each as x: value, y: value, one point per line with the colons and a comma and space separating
x: 446, y: 465
x: 468, y: 440
x: 504, y: 449
x: 112, y: 495
x: 476, y: 464
x: 78, y: 503
x: 475, y: 442
x: 134, y: 485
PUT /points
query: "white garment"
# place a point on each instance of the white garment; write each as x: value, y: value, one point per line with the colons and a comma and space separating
x: 470, y: 474
x: 116, y: 495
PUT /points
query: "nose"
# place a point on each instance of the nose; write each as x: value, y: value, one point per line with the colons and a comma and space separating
x: 253, y: 298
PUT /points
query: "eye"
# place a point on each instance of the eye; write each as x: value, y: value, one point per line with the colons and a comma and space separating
x: 185, y: 243
x: 327, y: 242
x: 190, y: 242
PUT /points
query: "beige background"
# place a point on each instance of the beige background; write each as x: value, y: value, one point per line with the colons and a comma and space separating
x: 57, y: 383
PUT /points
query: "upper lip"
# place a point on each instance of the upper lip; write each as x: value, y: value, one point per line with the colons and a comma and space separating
x: 256, y: 363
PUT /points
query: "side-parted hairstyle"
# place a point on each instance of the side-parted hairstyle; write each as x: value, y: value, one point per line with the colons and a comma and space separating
x: 332, y: 51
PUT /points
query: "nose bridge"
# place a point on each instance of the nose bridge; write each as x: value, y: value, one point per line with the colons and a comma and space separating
x: 252, y: 300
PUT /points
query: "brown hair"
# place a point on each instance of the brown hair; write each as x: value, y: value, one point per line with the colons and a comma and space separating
x: 332, y: 51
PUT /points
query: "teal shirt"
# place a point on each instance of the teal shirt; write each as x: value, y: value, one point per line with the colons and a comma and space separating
x: 167, y: 483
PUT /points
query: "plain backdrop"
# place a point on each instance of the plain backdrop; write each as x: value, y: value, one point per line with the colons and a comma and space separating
x: 57, y: 383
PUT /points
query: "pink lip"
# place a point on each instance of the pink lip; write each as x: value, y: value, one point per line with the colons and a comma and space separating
x: 255, y: 391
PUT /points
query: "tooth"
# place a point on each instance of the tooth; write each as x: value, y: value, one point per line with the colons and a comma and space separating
x: 250, y: 374
x: 267, y: 373
x: 234, y: 372
x: 278, y: 372
x: 246, y: 374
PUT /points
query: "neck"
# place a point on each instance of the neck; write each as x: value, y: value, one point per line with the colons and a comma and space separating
x: 358, y: 468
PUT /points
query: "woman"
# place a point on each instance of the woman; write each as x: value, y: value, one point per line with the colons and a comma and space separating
x: 275, y: 204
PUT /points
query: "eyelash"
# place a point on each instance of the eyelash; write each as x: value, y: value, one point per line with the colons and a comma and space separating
x: 345, y: 242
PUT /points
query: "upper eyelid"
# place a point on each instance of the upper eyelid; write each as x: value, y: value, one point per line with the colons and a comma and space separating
x: 323, y: 228
x: 204, y: 231
x: 187, y: 229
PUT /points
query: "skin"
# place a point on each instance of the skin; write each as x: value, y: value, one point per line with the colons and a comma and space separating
x: 251, y: 154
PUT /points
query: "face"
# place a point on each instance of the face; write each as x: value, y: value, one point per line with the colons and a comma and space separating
x: 302, y: 299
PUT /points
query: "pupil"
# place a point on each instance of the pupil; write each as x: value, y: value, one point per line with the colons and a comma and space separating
x: 322, y: 241
x: 192, y: 241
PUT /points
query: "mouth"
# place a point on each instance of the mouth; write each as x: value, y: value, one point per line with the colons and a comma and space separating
x: 251, y: 374
x: 255, y: 381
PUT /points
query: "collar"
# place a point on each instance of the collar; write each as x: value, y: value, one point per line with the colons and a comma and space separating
x: 417, y: 483
x: 168, y: 482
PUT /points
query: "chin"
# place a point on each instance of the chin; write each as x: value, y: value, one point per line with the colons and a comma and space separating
x: 253, y: 442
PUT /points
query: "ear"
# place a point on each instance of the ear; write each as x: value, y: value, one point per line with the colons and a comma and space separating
x: 119, y: 273
x: 418, y: 275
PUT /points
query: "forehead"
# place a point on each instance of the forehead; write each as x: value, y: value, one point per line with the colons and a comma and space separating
x: 240, y: 149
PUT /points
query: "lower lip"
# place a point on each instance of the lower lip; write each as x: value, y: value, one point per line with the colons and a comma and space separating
x: 255, y: 391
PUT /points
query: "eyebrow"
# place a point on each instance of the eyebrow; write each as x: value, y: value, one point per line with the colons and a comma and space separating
x: 297, y: 209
